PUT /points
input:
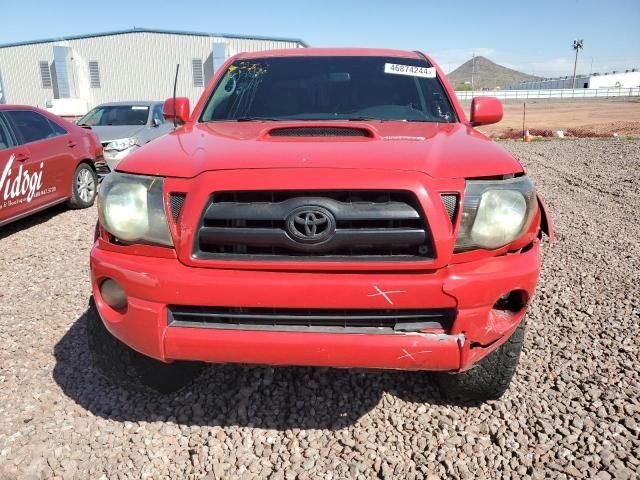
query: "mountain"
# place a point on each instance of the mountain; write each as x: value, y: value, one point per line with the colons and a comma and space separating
x: 487, y: 75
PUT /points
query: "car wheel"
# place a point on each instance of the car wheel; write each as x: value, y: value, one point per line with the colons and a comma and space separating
x: 131, y: 370
x: 84, y: 187
x: 490, y: 377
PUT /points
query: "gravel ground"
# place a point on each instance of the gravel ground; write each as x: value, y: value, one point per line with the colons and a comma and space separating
x: 573, y: 409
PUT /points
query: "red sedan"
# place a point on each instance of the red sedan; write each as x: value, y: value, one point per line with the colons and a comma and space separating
x: 44, y: 160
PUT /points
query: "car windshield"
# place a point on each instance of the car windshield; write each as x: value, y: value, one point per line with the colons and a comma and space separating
x: 329, y: 88
x: 116, y: 115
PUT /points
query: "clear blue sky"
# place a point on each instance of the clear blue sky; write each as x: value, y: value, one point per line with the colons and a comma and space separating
x: 533, y: 36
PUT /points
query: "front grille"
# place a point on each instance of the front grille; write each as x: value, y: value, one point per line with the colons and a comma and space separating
x: 364, y: 225
x: 312, y: 320
x: 319, y: 132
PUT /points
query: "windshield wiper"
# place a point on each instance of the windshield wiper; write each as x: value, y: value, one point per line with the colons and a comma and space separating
x: 362, y: 119
x: 257, y: 119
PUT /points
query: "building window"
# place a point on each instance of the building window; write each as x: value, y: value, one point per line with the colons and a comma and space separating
x: 94, y: 74
x: 45, y: 74
x: 197, y: 72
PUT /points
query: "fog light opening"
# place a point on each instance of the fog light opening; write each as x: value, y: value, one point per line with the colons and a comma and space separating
x: 113, y: 294
x: 511, y: 302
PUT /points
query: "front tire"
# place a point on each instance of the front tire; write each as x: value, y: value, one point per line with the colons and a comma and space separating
x: 84, y: 187
x: 131, y: 370
x: 490, y: 377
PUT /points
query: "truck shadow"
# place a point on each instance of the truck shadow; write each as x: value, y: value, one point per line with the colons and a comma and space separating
x: 276, y: 398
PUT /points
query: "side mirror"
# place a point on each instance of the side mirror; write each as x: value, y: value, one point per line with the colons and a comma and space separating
x: 485, y: 111
x: 155, y: 122
x: 179, y: 109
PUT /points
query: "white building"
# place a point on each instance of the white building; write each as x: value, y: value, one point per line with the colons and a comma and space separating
x: 582, y: 81
x: 628, y: 79
x: 71, y: 75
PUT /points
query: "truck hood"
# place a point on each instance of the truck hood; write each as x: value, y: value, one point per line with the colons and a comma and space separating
x: 108, y: 133
x: 449, y: 150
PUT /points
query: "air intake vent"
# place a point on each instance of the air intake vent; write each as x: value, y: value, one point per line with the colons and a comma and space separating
x: 450, y: 201
x: 176, y: 200
x: 311, y: 320
x: 320, y: 132
x: 45, y: 74
x: 94, y: 74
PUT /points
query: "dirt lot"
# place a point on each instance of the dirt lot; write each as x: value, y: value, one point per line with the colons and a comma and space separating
x: 579, y: 117
x: 573, y: 410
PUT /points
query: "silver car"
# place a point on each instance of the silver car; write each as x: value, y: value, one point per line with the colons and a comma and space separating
x: 124, y: 127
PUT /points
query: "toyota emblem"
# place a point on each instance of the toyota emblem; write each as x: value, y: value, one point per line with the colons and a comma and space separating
x: 311, y: 224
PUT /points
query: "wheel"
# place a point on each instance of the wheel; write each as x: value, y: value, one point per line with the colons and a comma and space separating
x: 490, y: 377
x: 84, y: 187
x: 129, y: 369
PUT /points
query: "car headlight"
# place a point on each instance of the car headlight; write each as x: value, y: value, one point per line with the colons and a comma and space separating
x: 131, y: 208
x: 495, y: 213
x: 122, y: 144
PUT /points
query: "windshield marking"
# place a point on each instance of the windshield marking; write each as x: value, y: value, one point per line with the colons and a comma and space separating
x: 410, y: 70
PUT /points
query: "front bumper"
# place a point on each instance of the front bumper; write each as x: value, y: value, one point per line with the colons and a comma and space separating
x: 471, y: 288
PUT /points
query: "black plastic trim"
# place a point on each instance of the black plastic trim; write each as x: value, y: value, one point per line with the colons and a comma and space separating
x: 311, y: 320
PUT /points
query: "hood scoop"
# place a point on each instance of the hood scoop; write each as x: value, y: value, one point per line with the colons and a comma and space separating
x: 320, y: 131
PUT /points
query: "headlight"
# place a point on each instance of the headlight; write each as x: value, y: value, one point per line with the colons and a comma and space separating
x: 121, y: 144
x: 495, y: 213
x: 131, y: 208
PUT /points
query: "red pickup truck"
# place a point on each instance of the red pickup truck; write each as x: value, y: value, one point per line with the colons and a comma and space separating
x: 322, y: 207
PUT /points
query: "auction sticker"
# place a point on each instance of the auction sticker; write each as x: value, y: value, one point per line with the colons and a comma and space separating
x: 412, y: 71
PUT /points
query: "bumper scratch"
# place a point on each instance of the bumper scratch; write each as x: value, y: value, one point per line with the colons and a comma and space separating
x: 411, y: 355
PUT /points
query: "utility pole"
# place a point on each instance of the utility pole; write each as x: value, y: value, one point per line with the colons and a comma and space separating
x: 577, y: 46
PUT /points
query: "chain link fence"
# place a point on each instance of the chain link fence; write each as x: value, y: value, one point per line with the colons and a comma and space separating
x: 551, y: 93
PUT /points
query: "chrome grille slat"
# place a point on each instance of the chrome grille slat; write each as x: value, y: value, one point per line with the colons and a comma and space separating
x: 344, y: 238
x: 280, y: 210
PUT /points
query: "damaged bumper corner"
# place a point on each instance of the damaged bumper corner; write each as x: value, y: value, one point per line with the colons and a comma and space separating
x: 482, y: 318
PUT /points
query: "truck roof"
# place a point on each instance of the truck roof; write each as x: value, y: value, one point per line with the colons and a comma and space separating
x: 328, y: 52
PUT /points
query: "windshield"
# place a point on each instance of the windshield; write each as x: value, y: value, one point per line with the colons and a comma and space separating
x: 116, y: 115
x: 329, y: 88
